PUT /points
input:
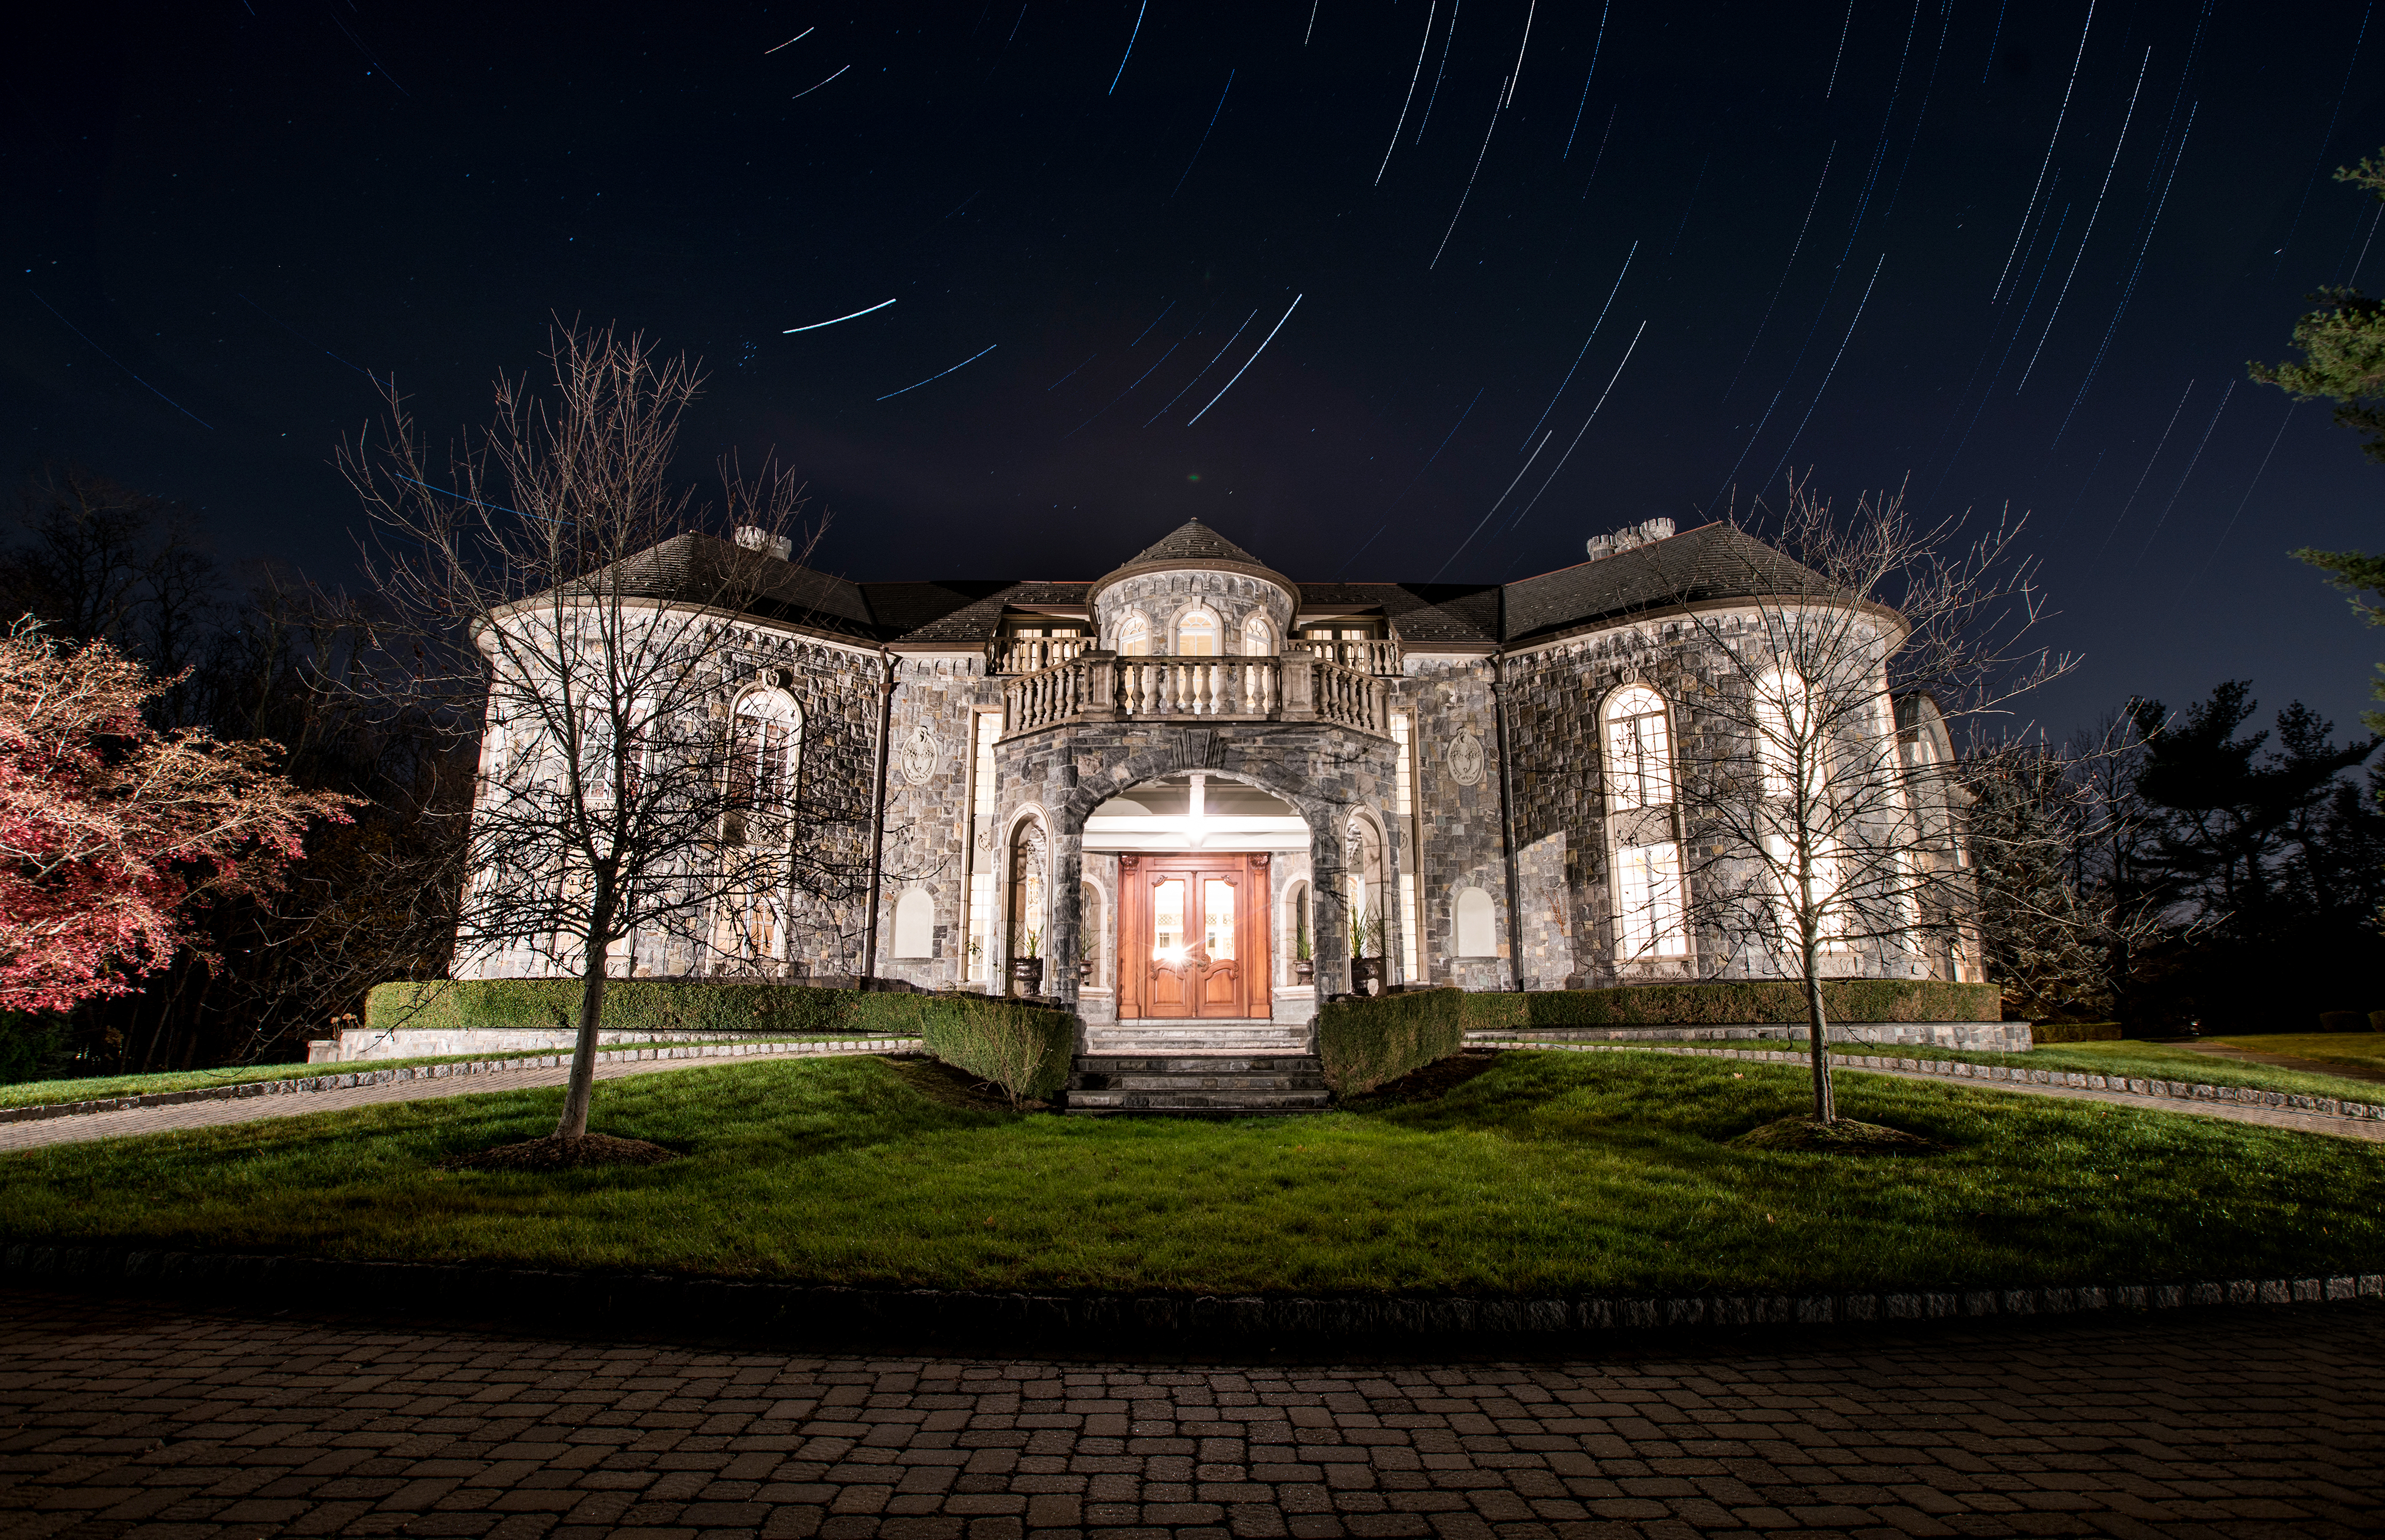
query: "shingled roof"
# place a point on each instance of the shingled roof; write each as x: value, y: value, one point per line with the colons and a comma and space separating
x: 1712, y: 561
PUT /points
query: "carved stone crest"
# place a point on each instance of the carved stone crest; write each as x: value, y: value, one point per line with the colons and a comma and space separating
x: 920, y: 755
x: 1465, y: 759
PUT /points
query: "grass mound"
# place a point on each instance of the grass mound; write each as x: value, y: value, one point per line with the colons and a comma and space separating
x: 1544, y: 1175
x: 1844, y: 1137
x: 559, y: 1154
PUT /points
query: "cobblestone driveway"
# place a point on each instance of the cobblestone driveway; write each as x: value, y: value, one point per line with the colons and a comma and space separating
x: 122, y: 1418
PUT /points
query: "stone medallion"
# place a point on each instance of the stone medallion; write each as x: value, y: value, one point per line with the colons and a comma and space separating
x: 1465, y: 759
x: 921, y: 756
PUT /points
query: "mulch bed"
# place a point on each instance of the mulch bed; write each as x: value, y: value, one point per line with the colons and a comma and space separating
x: 940, y: 1083
x: 1843, y: 1136
x: 554, y: 1154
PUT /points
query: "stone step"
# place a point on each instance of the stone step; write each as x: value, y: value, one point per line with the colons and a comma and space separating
x: 1197, y: 1085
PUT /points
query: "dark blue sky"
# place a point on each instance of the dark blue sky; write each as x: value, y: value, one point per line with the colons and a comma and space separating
x: 221, y: 218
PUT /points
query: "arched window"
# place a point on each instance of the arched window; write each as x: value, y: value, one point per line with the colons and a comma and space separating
x: 1639, y: 749
x: 1134, y: 636
x: 1784, y: 734
x: 1196, y: 635
x: 1258, y: 637
x: 914, y: 923
x: 765, y: 740
x: 1030, y: 916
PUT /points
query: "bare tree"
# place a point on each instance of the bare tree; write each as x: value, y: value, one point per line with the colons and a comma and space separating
x: 1824, y: 834
x: 555, y: 577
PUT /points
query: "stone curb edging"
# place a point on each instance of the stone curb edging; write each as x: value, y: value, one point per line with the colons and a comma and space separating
x: 2242, y: 1096
x: 307, y: 1085
x: 587, y: 1297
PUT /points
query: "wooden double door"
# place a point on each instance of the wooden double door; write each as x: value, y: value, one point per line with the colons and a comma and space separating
x: 1192, y: 937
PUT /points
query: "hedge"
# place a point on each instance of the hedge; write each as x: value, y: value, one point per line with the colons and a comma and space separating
x: 1023, y: 1048
x: 1495, y: 1010
x: 2351, y: 1021
x: 2075, y: 1032
x: 1843, y: 1000
x: 1365, y: 1042
x: 1026, y: 1050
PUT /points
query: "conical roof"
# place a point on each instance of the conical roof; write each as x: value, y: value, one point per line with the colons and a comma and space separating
x: 1194, y: 542
x: 1194, y: 546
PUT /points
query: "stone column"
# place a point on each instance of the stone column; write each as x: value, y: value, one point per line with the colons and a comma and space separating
x: 1329, y: 911
x: 1067, y: 919
x: 1299, y: 702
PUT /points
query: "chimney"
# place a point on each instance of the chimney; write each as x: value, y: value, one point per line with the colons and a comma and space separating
x: 752, y: 537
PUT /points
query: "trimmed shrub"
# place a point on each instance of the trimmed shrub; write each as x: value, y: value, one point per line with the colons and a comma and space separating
x: 1365, y: 1042
x: 630, y: 1004
x: 1494, y: 1011
x: 2075, y: 1032
x: 1845, y: 999
x: 2377, y: 1021
x: 1026, y: 1050
x: 2345, y: 1020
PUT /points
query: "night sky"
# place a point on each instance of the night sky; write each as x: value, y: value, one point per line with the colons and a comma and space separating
x: 1390, y: 233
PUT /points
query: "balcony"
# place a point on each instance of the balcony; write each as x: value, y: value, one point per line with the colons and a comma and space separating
x: 1034, y: 654
x: 1378, y: 658
x: 1102, y: 686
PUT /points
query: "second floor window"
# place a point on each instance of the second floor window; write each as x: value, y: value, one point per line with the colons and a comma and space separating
x: 1639, y: 750
x: 763, y: 741
x: 1196, y: 636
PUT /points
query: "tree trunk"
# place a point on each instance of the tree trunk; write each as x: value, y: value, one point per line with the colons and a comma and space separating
x: 1825, y: 1104
x: 582, y: 1084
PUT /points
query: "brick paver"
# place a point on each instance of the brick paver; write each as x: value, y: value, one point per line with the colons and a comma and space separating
x: 122, y: 1418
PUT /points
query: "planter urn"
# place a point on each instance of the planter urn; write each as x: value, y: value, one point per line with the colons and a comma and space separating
x: 1366, y: 976
x: 1305, y: 970
x: 1025, y: 975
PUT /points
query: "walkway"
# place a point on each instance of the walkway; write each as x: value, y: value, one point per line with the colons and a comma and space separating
x: 212, y: 1115
x: 2235, y: 1055
x: 137, y: 1420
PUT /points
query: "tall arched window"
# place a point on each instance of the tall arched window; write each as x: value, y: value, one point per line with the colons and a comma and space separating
x: 1784, y: 734
x: 1196, y: 635
x: 1639, y: 749
x: 1134, y: 636
x: 765, y: 740
x: 1258, y: 637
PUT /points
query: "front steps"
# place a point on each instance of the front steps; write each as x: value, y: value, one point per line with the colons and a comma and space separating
x: 1197, y: 1085
x: 1245, y: 1037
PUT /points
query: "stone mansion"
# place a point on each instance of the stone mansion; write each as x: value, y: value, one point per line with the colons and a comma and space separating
x: 1191, y: 789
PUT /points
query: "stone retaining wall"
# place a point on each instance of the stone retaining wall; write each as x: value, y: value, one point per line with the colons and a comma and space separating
x: 649, y: 1302
x: 1974, y: 1036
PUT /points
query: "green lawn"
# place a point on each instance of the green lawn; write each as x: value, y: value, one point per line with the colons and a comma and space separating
x: 2362, y: 1050
x: 1551, y: 1172
x: 35, y: 1093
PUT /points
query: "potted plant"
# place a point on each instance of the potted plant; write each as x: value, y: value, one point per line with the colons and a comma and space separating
x: 1366, y: 972
x: 1304, y: 956
x: 1027, y: 967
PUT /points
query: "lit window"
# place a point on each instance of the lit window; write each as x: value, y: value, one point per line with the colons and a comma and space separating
x: 762, y: 771
x: 1196, y: 636
x: 1134, y: 636
x: 1648, y: 902
x: 1784, y: 734
x: 1639, y: 750
x: 1258, y: 637
x: 1831, y: 915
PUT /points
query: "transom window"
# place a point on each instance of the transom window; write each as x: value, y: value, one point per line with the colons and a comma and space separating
x: 1639, y: 749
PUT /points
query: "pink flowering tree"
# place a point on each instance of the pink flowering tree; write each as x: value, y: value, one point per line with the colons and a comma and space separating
x: 112, y: 833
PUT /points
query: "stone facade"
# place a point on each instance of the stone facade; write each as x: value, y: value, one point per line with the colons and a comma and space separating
x: 1449, y: 742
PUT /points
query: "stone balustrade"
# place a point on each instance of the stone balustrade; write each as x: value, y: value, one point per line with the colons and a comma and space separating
x: 1103, y: 687
x: 1034, y: 654
x: 1379, y: 658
